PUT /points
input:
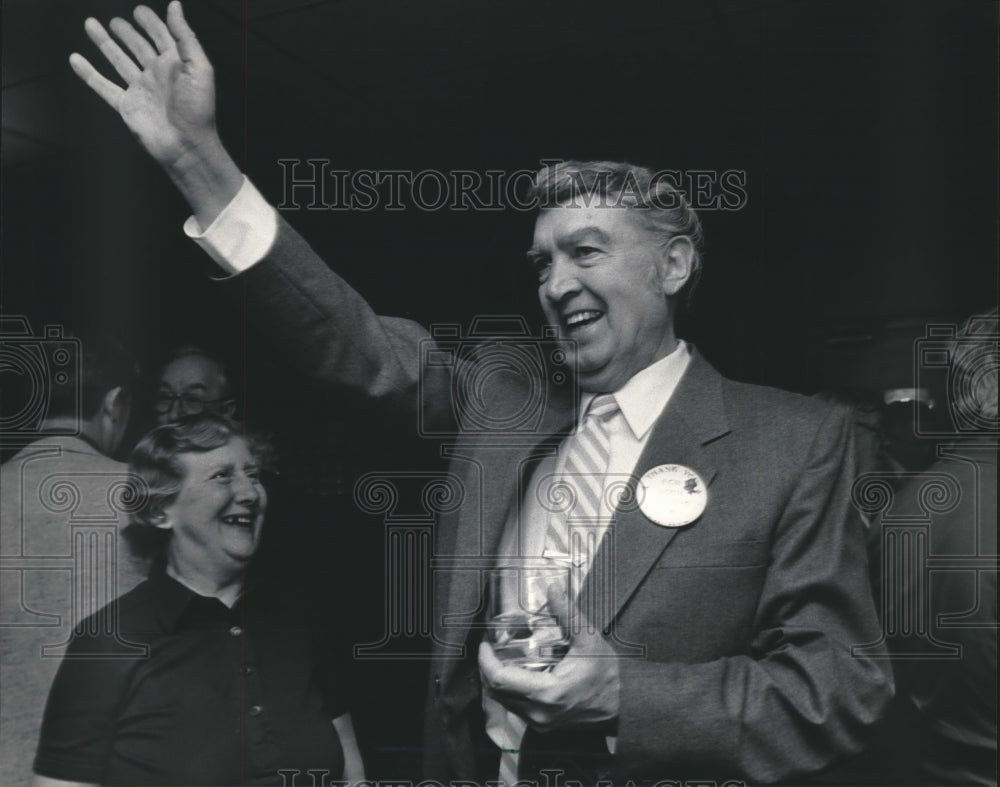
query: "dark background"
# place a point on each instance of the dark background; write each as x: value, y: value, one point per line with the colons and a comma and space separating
x: 867, y: 131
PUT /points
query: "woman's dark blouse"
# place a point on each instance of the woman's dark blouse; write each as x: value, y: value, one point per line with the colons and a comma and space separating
x: 224, y: 696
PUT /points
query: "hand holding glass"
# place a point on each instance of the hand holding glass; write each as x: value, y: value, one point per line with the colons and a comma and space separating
x: 522, y: 627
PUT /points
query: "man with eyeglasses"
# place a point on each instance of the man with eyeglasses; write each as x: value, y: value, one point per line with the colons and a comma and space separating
x: 192, y: 381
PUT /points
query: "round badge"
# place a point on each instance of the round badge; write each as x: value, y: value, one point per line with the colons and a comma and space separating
x: 672, y: 495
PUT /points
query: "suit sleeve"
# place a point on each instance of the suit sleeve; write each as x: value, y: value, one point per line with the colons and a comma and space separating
x: 331, y: 333
x: 798, y: 701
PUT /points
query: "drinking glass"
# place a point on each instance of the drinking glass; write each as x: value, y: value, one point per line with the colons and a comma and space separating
x: 522, y: 627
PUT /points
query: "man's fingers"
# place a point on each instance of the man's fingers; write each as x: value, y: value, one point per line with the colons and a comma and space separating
x: 122, y: 63
x: 506, y: 678
x: 154, y: 28
x: 489, y: 664
x: 105, y: 88
x: 187, y: 42
x: 140, y: 48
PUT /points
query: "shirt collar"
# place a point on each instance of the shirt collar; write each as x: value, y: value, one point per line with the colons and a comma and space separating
x: 170, y: 599
x: 646, y: 393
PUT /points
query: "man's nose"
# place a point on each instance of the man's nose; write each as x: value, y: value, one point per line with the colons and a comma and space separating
x: 562, y: 281
x: 176, y: 409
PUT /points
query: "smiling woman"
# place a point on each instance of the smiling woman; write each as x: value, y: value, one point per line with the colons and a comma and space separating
x: 202, y: 506
x: 233, y: 687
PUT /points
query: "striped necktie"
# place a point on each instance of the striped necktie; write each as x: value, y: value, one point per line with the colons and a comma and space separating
x: 587, y: 456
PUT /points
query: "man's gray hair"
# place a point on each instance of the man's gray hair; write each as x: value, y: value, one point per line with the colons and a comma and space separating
x: 652, y: 197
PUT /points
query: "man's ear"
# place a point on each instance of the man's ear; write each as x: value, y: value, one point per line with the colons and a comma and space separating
x: 229, y: 408
x: 676, y: 264
x: 111, y: 420
x: 117, y: 405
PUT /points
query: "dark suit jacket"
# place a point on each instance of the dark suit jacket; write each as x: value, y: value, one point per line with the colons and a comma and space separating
x: 735, y: 632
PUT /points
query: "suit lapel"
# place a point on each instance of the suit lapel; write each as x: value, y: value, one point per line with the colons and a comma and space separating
x: 693, y: 417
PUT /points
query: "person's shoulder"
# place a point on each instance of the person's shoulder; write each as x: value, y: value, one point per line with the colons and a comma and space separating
x: 40, y: 479
x: 706, y: 377
x: 14, y: 463
x: 958, y: 495
x: 780, y: 408
x: 131, y: 614
x: 972, y: 466
x: 106, y: 464
x: 65, y: 452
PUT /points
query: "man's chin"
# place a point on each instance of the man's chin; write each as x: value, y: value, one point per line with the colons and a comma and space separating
x: 596, y: 380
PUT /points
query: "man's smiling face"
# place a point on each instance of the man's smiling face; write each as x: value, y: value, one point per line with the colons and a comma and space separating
x: 604, y: 280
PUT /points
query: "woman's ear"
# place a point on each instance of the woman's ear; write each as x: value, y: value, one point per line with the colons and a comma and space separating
x: 676, y: 264
x: 160, y: 518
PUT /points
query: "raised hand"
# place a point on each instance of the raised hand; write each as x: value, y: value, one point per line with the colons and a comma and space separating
x: 168, y: 102
x: 169, y: 98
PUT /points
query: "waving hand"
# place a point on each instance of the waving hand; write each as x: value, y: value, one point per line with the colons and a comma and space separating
x: 168, y: 101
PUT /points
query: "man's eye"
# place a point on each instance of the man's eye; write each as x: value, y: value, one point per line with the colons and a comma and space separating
x: 222, y: 475
x: 253, y: 473
x: 584, y: 251
x: 540, y: 265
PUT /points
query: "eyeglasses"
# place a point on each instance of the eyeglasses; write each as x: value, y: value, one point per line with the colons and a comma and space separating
x: 190, y: 404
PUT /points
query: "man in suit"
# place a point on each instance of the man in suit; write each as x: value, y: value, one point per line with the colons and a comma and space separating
x: 714, y: 613
x: 63, y: 506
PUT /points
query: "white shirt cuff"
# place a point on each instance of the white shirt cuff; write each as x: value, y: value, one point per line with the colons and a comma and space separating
x: 242, y: 234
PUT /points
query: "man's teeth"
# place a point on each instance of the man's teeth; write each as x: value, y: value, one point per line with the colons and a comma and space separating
x: 578, y: 318
x: 243, y: 520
